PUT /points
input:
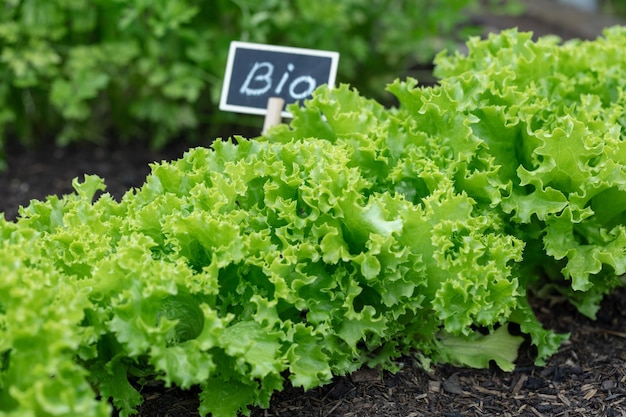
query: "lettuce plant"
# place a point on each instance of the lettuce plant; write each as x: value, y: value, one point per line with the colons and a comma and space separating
x: 351, y: 237
x: 551, y: 118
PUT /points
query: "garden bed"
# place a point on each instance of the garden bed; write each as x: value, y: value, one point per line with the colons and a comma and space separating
x: 587, y: 377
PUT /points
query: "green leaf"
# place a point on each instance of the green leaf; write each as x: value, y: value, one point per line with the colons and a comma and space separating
x: 477, y: 350
x: 226, y: 398
x: 254, y: 347
x: 308, y: 363
x: 112, y: 380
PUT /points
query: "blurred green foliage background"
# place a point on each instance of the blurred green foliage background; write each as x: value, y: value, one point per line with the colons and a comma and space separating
x: 616, y: 7
x: 151, y: 70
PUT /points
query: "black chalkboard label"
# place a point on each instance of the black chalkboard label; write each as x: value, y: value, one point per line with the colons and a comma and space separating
x: 256, y: 72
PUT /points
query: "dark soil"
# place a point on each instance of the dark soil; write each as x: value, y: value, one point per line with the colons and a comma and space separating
x: 587, y: 377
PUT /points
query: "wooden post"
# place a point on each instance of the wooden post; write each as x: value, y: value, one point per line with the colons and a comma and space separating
x: 273, y: 116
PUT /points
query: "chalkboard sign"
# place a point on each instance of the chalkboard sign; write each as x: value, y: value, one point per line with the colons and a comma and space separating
x: 256, y: 72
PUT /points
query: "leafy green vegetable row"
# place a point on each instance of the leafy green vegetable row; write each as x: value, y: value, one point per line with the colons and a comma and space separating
x: 351, y: 237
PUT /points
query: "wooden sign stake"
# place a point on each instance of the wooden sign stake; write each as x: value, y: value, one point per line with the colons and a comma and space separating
x: 273, y: 116
x: 263, y: 79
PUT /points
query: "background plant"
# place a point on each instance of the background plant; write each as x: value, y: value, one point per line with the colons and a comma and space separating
x: 616, y: 7
x: 151, y: 70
